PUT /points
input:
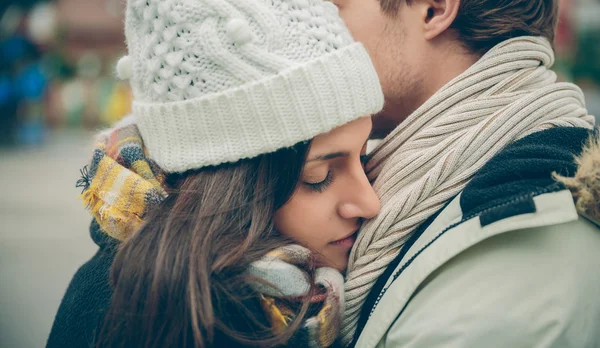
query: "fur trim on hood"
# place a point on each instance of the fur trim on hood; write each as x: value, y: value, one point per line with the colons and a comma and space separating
x: 585, y: 185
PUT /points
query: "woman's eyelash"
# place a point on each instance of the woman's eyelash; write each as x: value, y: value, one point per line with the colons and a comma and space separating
x: 322, y: 185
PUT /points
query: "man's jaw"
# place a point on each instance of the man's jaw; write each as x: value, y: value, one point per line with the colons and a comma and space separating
x: 386, y: 121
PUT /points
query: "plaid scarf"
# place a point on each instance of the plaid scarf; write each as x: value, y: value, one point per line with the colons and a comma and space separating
x: 286, y: 269
x: 122, y: 184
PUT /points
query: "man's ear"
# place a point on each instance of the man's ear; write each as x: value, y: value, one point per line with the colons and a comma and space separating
x: 437, y: 16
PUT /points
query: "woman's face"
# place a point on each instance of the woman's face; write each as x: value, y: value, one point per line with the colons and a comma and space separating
x: 333, y: 196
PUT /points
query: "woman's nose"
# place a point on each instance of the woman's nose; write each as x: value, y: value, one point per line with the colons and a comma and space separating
x: 362, y: 201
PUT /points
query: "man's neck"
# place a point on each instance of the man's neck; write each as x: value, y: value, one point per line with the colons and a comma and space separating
x: 448, y: 68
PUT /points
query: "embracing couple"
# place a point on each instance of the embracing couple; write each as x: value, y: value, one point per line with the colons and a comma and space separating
x: 247, y: 202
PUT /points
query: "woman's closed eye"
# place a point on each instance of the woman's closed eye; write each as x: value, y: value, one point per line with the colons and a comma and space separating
x: 320, y: 186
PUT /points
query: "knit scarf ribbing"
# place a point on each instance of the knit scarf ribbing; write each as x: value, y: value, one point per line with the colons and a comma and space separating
x: 430, y: 157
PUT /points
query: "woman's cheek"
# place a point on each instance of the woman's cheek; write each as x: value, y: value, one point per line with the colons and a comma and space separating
x: 317, y: 221
x: 311, y: 219
x: 293, y: 219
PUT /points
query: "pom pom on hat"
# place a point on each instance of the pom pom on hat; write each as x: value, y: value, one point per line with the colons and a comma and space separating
x: 238, y: 31
x: 125, y: 68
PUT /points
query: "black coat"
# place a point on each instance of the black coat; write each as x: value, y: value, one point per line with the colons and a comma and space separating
x: 87, y: 298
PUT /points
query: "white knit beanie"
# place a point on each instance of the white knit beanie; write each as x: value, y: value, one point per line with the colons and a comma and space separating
x: 216, y: 81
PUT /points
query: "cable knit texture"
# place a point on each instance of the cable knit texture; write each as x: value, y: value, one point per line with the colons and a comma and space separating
x: 216, y: 81
x: 429, y: 158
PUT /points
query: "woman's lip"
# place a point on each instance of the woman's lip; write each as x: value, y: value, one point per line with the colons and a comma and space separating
x: 347, y: 241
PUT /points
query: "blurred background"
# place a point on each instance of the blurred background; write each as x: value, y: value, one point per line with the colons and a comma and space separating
x: 57, y: 88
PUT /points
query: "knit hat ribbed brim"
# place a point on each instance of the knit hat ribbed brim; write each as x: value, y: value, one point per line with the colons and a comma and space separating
x: 263, y: 116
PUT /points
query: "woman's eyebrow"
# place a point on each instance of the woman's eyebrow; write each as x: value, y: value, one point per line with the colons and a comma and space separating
x: 329, y: 156
x: 333, y: 155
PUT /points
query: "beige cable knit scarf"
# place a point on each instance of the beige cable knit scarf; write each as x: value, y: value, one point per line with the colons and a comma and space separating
x: 429, y: 158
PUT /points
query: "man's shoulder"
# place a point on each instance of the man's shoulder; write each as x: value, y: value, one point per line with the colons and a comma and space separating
x: 514, y: 289
x: 556, y: 260
x: 513, y: 205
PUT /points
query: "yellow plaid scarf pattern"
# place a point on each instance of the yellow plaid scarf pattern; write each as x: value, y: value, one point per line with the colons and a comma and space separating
x: 122, y: 184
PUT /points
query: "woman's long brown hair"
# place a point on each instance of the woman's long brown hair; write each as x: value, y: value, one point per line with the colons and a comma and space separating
x: 181, y: 281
